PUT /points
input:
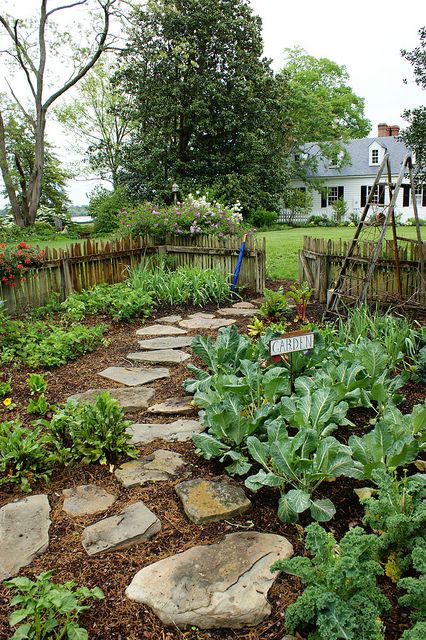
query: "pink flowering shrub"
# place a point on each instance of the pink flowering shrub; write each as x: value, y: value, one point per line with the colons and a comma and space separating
x: 14, y: 263
x: 189, y: 218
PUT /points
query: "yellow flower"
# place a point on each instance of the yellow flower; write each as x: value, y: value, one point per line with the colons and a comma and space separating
x: 7, y: 402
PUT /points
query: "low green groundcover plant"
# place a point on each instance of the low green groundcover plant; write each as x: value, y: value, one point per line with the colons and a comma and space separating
x: 119, y: 301
x: 48, y: 610
x: 415, y: 596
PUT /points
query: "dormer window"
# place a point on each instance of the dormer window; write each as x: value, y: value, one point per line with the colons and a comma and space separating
x: 374, y: 156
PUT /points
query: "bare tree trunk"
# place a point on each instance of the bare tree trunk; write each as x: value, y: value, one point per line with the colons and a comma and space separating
x: 7, y: 178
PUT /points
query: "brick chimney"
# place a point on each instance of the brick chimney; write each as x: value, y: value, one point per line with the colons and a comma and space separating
x: 383, y: 130
x: 394, y: 130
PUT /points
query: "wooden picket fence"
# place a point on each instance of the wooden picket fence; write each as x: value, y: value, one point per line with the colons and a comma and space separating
x: 320, y: 261
x: 81, y: 266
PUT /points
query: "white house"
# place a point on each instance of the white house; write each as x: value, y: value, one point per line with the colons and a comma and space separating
x: 353, y: 181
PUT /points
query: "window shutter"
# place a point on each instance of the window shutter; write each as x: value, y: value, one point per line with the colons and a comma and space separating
x: 406, y: 195
x: 340, y: 193
x: 424, y: 197
x: 302, y: 189
x: 381, y: 194
x: 323, y: 198
x: 363, y: 195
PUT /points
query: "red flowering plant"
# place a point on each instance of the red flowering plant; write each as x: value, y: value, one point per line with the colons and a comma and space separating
x: 15, y: 263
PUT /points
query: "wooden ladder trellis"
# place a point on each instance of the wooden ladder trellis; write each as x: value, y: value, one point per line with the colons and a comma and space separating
x: 340, y: 294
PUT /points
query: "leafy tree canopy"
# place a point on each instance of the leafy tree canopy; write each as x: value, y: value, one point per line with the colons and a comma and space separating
x: 205, y: 102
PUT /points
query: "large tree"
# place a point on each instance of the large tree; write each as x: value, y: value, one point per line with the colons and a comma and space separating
x: 415, y: 134
x: 30, y: 47
x: 320, y: 107
x: 205, y: 103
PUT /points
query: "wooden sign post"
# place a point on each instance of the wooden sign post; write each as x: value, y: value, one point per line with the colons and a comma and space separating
x: 289, y: 343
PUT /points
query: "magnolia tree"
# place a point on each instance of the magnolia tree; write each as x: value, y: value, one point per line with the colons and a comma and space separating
x: 31, y: 46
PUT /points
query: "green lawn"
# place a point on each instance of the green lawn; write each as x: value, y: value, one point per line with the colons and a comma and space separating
x: 282, y: 247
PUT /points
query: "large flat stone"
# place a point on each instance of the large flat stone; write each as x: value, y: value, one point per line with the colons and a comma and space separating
x: 173, y: 319
x: 200, y: 314
x: 243, y: 305
x: 177, y: 431
x: 160, y: 466
x: 208, y: 501
x: 160, y: 330
x: 24, y: 533
x: 132, y: 377
x: 213, y: 586
x: 134, y: 524
x: 232, y: 311
x: 86, y: 499
x: 205, y: 323
x: 181, y: 406
x: 156, y: 344
x: 168, y: 356
x: 131, y: 399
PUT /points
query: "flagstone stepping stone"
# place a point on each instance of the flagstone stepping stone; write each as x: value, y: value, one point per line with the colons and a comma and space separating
x: 169, y: 319
x: 160, y: 466
x: 131, y: 399
x: 199, y: 314
x: 169, y: 356
x: 132, y: 377
x: 243, y: 305
x: 159, y: 330
x: 86, y: 499
x: 208, y: 501
x: 177, y: 431
x: 174, y: 405
x: 212, y: 586
x: 205, y: 323
x: 231, y: 311
x: 24, y: 533
x: 134, y: 524
x: 172, y: 342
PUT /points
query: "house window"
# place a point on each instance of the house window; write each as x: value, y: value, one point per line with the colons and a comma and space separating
x: 375, y: 194
x: 374, y: 156
x: 378, y: 194
x: 297, y: 158
x: 419, y: 196
x: 330, y: 195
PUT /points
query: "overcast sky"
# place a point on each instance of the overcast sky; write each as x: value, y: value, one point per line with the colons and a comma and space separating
x: 366, y: 36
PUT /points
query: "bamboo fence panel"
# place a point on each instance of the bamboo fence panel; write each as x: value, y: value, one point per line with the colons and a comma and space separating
x: 82, y: 266
x: 320, y: 261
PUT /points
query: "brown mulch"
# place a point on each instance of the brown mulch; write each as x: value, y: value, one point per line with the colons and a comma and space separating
x: 115, y: 617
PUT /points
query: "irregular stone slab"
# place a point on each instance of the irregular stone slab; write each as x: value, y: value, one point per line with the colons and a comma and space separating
x: 156, y: 344
x: 86, y: 499
x: 161, y: 465
x: 243, y: 305
x: 212, y: 586
x: 199, y: 314
x: 204, y: 323
x: 169, y: 319
x: 208, y: 501
x: 134, y: 524
x: 160, y: 330
x: 182, y: 406
x: 24, y: 533
x: 134, y: 377
x: 178, y: 431
x: 231, y: 311
x: 169, y: 356
x: 131, y: 399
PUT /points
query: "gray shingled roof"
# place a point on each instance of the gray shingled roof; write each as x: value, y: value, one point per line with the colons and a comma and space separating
x: 358, y: 151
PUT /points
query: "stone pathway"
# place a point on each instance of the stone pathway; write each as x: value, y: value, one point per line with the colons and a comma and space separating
x: 213, y: 586
x: 131, y: 399
x: 156, y: 344
x: 177, y: 431
x: 167, y: 356
x: 179, y: 406
x: 209, y: 501
x: 160, y: 466
x: 134, y: 377
x: 169, y: 319
x: 134, y: 524
x: 86, y: 499
x: 206, y: 323
x: 24, y: 533
x: 160, y: 330
x: 241, y: 312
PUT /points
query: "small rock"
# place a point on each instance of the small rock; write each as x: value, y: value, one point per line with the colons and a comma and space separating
x: 204, y: 323
x: 208, y: 501
x: 24, y: 533
x: 243, y: 305
x: 156, y: 344
x: 159, y: 330
x: 231, y: 311
x: 131, y: 399
x: 213, y: 586
x: 132, y: 377
x: 178, y: 431
x: 86, y: 499
x: 180, y: 406
x: 160, y: 466
x: 169, y: 319
x: 134, y: 524
x: 168, y: 356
